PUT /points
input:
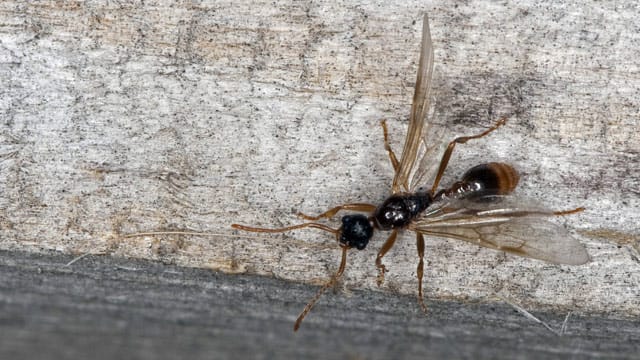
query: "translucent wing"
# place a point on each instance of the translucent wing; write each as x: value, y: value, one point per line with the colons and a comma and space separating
x: 504, y: 223
x: 419, y: 109
x: 431, y: 149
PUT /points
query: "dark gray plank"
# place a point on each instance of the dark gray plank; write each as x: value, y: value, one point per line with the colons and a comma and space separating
x: 106, y: 308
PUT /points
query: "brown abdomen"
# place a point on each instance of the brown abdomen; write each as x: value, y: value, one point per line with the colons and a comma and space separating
x: 492, y: 178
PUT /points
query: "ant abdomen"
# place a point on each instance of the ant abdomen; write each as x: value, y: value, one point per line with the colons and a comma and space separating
x: 493, y: 178
x: 484, y: 180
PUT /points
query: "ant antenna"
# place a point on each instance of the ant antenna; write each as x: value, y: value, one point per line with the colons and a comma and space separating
x: 294, y: 227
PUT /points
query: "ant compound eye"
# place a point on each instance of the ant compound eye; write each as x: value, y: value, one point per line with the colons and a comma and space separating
x: 356, y: 231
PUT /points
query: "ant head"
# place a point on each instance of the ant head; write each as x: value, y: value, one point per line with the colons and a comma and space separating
x: 356, y: 231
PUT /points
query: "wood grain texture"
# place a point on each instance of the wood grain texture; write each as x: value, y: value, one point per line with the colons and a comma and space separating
x: 125, y: 118
x: 104, y: 307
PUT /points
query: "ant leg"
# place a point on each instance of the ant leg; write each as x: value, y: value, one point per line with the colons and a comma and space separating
x: 461, y: 140
x: 278, y: 230
x: 392, y: 155
x: 330, y: 213
x: 329, y: 284
x: 420, y: 270
x: 385, y: 248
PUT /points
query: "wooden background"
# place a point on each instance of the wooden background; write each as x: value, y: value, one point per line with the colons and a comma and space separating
x: 119, y: 118
x: 107, y: 307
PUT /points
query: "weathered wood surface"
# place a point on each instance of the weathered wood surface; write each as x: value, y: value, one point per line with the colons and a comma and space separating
x: 106, y: 307
x: 123, y: 118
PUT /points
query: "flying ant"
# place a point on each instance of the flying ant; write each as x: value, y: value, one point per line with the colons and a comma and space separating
x: 479, y: 208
